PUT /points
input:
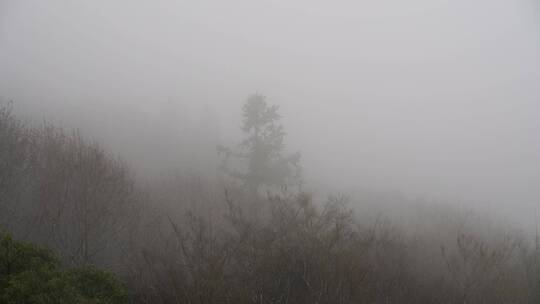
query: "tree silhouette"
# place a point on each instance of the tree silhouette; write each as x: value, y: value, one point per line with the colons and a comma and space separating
x: 262, y: 149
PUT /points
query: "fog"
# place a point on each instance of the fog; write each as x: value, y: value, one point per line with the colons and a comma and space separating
x: 429, y: 98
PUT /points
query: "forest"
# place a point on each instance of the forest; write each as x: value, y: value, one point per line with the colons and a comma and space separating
x: 269, y: 152
x: 78, y: 227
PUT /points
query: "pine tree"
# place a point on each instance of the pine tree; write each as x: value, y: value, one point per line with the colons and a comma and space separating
x: 262, y: 149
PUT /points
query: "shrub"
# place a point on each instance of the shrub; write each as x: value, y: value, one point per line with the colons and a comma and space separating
x: 32, y: 275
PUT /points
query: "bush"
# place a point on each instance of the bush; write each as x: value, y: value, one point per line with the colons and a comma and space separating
x: 32, y: 275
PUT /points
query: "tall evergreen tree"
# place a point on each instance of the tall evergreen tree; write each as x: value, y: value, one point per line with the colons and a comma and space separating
x: 262, y: 149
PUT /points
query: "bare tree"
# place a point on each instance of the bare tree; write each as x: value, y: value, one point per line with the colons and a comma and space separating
x: 16, y: 159
x: 85, y: 197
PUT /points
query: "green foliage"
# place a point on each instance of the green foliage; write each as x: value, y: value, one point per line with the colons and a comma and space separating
x: 32, y: 275
x: 102, y: 287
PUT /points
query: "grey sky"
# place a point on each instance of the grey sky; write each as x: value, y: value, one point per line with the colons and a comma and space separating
x: 430, y: 97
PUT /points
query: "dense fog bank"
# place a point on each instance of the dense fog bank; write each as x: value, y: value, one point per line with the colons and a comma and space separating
x: 429, y: 98
x: 270, y: 152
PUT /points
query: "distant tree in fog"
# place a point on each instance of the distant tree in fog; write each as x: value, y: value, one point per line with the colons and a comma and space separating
x: 262, y: 149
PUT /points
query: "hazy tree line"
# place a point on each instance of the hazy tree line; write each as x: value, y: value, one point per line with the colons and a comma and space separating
x: 249, y: 237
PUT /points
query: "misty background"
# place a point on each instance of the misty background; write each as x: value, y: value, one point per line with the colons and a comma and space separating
x: 428, y: 98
